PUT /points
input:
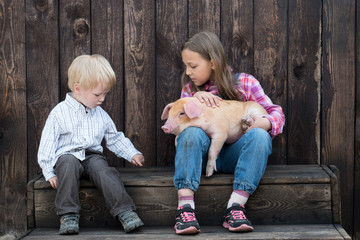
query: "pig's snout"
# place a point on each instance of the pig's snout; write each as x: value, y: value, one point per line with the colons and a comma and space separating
x: 167, y: 128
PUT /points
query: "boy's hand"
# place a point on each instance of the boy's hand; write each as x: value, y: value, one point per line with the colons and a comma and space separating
x: 209, y: 99
x: 138, y: 160
x: 53, y: 182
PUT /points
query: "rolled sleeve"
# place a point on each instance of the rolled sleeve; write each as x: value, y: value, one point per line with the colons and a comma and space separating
x: 276, y: 123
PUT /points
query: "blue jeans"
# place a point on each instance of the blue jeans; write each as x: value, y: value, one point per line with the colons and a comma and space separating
x: 246, y: 158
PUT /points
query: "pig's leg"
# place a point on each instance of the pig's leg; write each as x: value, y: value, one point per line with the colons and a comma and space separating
x: 217, y: 143
x: 246, y: 122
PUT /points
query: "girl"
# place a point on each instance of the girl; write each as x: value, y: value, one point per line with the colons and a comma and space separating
x: 208, y: 77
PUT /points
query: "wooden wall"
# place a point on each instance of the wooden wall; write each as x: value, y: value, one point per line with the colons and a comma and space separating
x: 304, y: 53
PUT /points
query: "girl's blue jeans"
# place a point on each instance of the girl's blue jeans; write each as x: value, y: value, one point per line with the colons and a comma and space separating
x: 246, y: 158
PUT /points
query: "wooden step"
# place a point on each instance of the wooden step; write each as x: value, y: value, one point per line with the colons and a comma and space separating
x: 291, y: 202
x: 287, y: 194
x: 304, y: 231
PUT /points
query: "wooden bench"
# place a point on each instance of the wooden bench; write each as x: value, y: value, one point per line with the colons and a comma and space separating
x: 301, y: 200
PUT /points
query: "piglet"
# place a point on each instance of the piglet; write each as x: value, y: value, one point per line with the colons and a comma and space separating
x: 223, y: 124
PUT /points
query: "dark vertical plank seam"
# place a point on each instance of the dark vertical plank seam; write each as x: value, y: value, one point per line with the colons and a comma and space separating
x: 355, y: 185
x: 220, y: 23
x: 253, y: 38
x: 59, y: 53
x: 187, y: 19
x: 90, y: 23
x: 287, y: 80
x: 155, y: 83
x: 26, y: 100
x: 321, y: 160
x: 123, y: 66
x: 26, y: 112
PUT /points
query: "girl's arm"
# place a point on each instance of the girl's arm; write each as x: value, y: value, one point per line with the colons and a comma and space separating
x: 261, y: 122
x: 275, y: 115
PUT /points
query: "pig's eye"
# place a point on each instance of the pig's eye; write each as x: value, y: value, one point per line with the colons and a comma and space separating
x: 181, y: 114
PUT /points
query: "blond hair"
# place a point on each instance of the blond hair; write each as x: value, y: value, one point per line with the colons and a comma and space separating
x: 208, y: 45
x: 90, y: 70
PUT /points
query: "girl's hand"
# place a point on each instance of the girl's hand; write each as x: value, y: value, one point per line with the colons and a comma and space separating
x: 138, y: 160
x: 53, y: 182
x: 209, y: 99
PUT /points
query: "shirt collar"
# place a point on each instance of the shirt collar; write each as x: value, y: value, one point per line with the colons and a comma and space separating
x: 74, y: 104
x: 208, y: 84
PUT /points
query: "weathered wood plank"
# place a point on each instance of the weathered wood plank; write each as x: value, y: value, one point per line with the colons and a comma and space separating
x: 334, y: 174
x: 139, y: 51
x: 269, y: 60
x: 342, y: 231
x: 314, y: 232
x: 204, y: 15
x: 161, y: 177
x: 107, y: 39
x: 31, y: 202
x: 270, y: 204
x: 13, y: 119
x: 274, y: 174
x: 338, y: 103
x: 237, y: 34
x: 306, y: 198
x: 74, y: 37
x: 42, y: 72
x: 356, y: 232
x: 304, y: 81
x: 171, y: 33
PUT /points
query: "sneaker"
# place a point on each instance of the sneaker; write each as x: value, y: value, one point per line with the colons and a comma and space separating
x: 186, y: 222
x: 69, y: 224
x: 235, y: 219
x: 129, y: 220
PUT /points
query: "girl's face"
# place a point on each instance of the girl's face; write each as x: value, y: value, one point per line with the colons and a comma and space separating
x: 90, y: 98
x: 197, y: 68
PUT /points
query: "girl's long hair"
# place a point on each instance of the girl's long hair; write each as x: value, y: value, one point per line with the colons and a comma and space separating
x: 208, y: 45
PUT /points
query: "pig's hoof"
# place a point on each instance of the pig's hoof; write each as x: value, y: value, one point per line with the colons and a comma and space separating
x: 209, y: 171
x: 246, y: 122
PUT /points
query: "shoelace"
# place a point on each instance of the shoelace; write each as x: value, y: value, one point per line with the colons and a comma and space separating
x: 69, y: 219
x: 238, y: 215
x: 188, y: 216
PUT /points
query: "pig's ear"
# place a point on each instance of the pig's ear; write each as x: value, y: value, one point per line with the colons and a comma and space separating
x: 192, y: 110
x: 165, y: 113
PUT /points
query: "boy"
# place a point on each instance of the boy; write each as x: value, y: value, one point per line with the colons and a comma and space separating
x: 70, y: 146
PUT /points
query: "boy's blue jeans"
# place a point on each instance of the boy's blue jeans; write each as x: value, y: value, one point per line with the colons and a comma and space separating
x: 246, y: 158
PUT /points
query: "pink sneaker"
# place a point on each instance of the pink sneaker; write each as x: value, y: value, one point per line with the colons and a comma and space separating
x: 235, y: 219
x: 186, y: 222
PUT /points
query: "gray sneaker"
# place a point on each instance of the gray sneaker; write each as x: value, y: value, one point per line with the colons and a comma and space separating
x: 69, y: 224
x: 130, y: 220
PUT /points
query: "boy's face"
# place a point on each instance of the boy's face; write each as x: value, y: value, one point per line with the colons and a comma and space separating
x: 91, y: 98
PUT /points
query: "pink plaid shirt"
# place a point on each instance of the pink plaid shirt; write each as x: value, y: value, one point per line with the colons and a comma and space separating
x: 249, y: 89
